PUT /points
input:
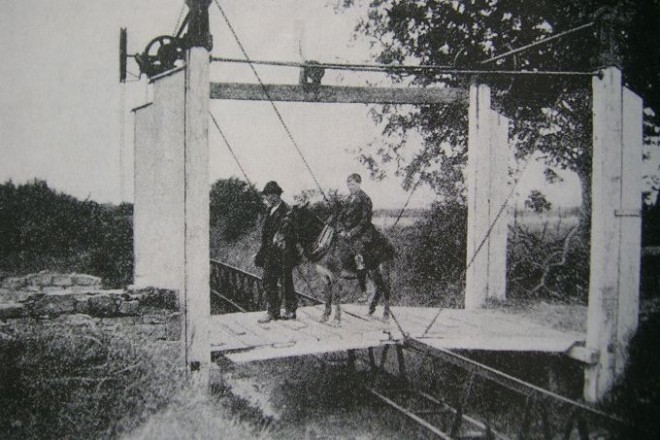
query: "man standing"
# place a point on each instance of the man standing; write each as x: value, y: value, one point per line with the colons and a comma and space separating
x: 276, y: 257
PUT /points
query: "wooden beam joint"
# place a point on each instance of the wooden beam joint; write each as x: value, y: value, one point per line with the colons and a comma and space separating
x: 583, y: 354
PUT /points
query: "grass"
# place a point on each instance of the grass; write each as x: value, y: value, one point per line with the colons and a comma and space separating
x: 79, y: 378
x: 194, y: 415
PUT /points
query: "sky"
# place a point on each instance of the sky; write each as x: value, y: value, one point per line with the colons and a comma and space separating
x: 62, y: 113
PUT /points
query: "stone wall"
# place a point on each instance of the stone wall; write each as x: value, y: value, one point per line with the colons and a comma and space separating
x: 48, y: 294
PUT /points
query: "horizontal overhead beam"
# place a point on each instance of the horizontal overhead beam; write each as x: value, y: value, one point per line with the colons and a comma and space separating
x: 336, y: 94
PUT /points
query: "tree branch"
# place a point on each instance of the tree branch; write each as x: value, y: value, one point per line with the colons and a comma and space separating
x: 548, y: 266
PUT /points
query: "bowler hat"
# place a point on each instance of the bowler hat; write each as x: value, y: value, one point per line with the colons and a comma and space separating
x: 272, y: 188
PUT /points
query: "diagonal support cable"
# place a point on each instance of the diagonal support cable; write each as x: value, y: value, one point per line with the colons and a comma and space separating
x: 275, y: 108
x: 538, y: 43
x: 485, y: 238
x: 231, y: 150
x: 179, y: 19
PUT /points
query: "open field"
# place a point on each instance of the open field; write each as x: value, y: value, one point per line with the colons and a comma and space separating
x: 553, y: 220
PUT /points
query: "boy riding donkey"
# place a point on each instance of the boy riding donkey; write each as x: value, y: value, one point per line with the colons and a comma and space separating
x: 361, y: 244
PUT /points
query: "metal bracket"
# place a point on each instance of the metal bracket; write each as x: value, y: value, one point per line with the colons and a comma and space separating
x: 311, y: 75
x: 627, y: 213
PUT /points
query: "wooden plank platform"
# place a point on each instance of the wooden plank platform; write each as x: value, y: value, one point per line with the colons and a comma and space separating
x: 241, y: 338
x: 488, y: 329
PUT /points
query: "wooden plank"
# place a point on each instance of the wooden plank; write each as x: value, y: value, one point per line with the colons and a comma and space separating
x: 412, y: 322
x: 270, y: 333
x: 221, y: 339
x: 490, y: 321
x: 336, y: 94
x: 239, y: 334
x: 359, y: 323
x: 221, y: 336
x: 301, y: 349
x: 559, y: 344
x: 319, y: 330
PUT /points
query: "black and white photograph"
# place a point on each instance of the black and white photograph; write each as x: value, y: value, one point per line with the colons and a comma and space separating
x: 330, y: 219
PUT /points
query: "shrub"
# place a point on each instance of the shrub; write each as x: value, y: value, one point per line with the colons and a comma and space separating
x: 636, y: 395
x: 435, y: 249
x: 548, y: 264
x: 234, y: 208
x: 322, y: 207
x: 44, y: 229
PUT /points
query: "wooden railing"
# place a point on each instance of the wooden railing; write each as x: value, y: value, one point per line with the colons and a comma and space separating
x: 242, y: 290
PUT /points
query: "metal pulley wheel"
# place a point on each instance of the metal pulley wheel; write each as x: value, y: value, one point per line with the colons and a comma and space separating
x: 161, y: 55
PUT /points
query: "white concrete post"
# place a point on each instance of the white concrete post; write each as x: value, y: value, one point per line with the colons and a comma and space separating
x: 486, y: 176
x: 171, y: 214
x: 631, y: 222
x: 615, y: 230
x: 158, y: 221
x: 498, y: 214
x: 197, y: 308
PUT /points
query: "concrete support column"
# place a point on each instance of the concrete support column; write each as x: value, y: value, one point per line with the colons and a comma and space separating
x: 158, y: 212
x: 486, y: 176
x: 615, y: 230
x: 171, y: 214
x: 197, y: 308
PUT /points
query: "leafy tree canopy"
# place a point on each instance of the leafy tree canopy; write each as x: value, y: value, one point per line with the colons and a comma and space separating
x: 550, y: 115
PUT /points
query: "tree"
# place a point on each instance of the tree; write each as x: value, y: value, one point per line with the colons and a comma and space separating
x: 550, y: 115
x: 323, y: 206
x: 537, y: 202
x: 234, y: 207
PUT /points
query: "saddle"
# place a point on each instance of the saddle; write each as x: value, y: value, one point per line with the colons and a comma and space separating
x: 322, y: 243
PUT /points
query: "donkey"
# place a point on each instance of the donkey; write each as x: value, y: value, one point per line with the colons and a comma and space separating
x: 321, y: 247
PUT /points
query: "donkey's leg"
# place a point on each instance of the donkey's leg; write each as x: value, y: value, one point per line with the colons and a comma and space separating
x: 327, y: 278
x: 375, y: 296
x: 339, y: 292
x: 362, y: 281
x: 382, y: 288
x: 337, y: 318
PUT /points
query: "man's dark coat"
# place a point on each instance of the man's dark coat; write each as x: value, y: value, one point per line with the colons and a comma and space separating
x: 269, y: 256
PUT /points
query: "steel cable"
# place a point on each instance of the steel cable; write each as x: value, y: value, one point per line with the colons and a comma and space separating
x: 277, y: 111
x: 485, y: 238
